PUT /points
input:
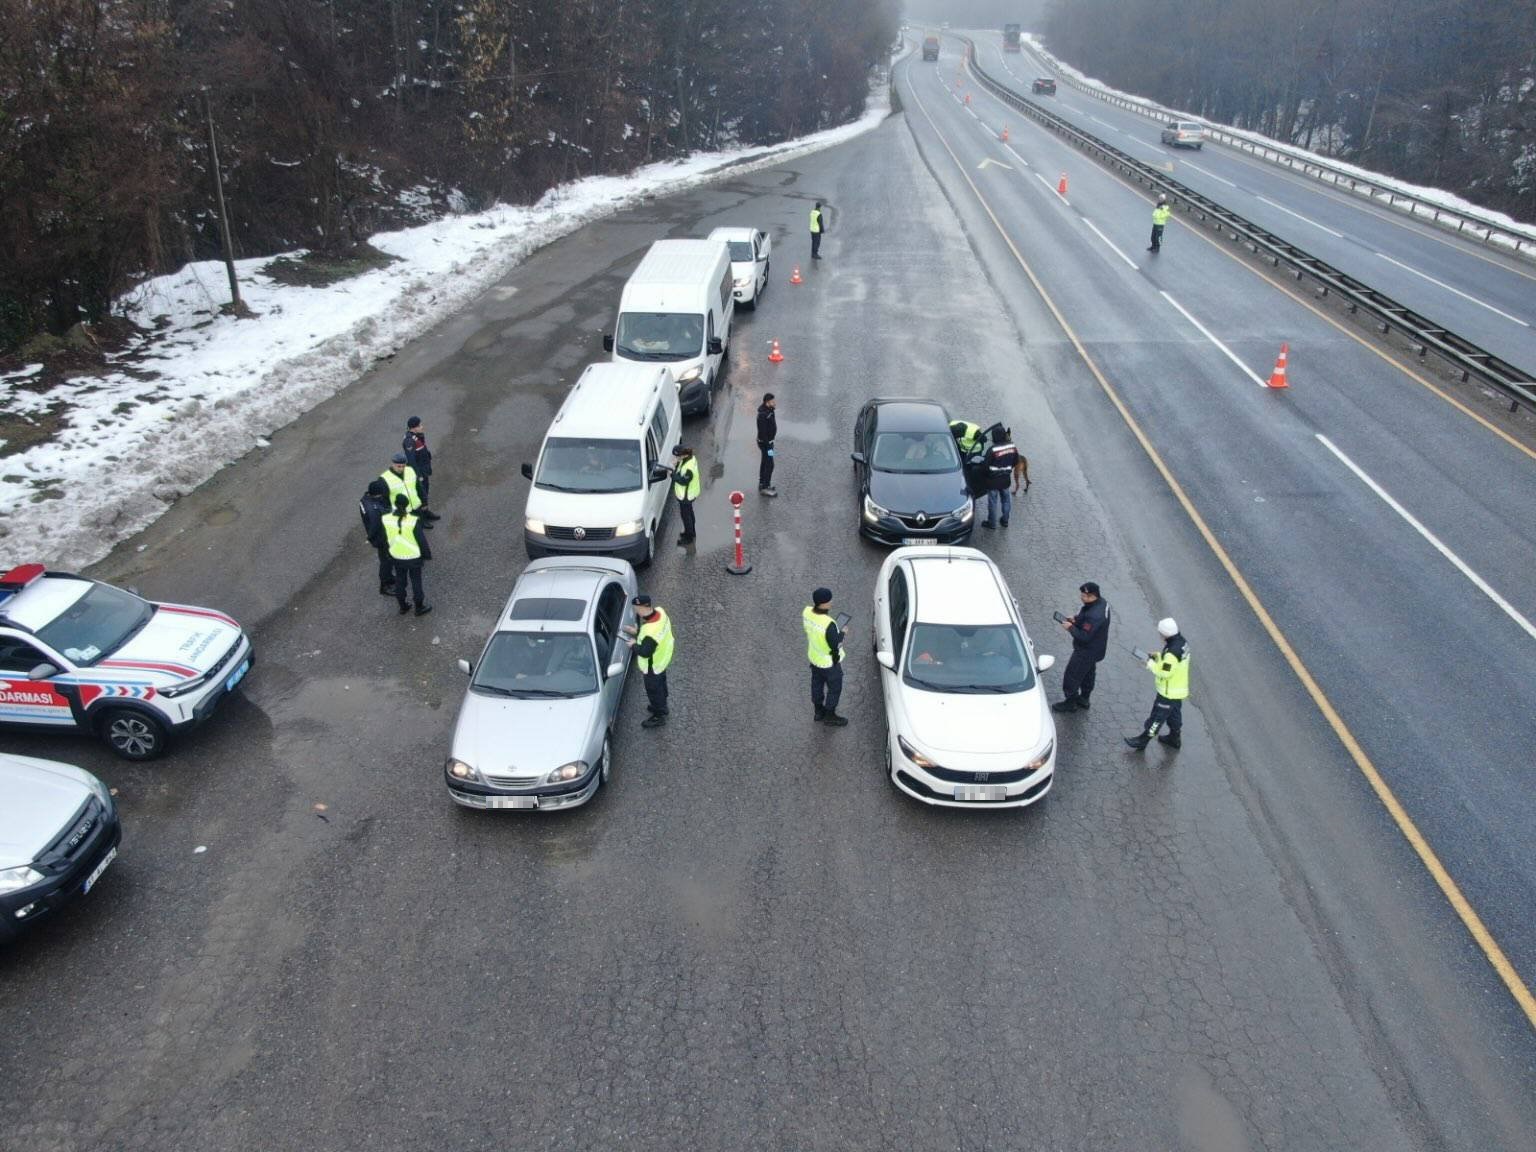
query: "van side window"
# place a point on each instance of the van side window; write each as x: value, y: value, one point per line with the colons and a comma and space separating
x: 659, y: 426
x: 725, y: 292
x: 652, y: 452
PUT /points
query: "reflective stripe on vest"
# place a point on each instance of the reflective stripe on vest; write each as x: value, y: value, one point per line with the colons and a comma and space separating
x: 1160, y: 214
x: 400, y: 531
x: 405, y: 483
x: 815, y: 219
x: 1170, y: 674
x: 1002, y: 458
x: 685, y: 479
x: 659, y: 628
x: 817, y: 650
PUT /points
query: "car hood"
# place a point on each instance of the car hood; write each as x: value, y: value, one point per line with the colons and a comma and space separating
x: 743, y: 269
x: 584, y: 509
x: 178, y: 643
x: 501, y: 736
x: 978, y: 725
x: 937, y: 494
x: 40, y: 797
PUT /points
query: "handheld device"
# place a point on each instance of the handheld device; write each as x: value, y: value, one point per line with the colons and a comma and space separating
x: 1058, y: 617
x: 842, y: 620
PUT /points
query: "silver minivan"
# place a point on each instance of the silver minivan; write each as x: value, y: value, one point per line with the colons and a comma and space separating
x: 1184, y: 134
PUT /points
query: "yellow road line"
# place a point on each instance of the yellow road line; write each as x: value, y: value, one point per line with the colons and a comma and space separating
x: 1442, y: 877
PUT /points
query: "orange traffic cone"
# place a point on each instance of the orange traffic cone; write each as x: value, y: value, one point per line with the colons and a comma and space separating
x: 1005, y: 134
x: 774, y: 355
x: 967, y: 98
x: 1061, y: 185
x: 795, y: 276
x: 1277, y: 377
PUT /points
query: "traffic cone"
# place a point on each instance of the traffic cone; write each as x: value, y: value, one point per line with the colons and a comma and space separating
x: 795, y: 277
x: 1061, y: 185
x: 967, y: 99
x: 1005, y: 134
x: 774, y: 355
x: 1277, y: 377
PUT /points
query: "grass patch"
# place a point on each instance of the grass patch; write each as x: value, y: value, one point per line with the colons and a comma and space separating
x: 318, y: 269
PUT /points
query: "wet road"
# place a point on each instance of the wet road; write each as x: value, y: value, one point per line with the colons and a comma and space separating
x: 750, y: 940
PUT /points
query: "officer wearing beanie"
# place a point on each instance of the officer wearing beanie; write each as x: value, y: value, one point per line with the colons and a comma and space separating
x: 373, y: 507
x: 419, y: 457
x: 824, y: 649
x: 1090, y: 640
x: 1170, y: 675
x: 654, y: 645
x: 686, y: 486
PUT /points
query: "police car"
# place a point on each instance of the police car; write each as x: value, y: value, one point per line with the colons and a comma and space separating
x: 79, y: 655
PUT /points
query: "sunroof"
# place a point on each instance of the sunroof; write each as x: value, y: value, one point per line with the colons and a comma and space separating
x: 547, y: 608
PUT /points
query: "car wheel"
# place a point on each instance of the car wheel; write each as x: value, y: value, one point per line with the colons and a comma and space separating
x: 709, y: 399
x: 607, y: 769
x: 650, y: 547
x: 133, y: 735
x: 1198, y: 147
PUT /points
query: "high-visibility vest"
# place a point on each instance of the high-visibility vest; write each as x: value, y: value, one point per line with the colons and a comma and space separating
x: 817, y: 650
x: 405, y: 483
x: 1170, y: 673
x: 400, y: 531
x: 970, y: 435
x: 685, y: 479
x: 1161, y: 214
x: 659, y: 627
x: 815, y: 219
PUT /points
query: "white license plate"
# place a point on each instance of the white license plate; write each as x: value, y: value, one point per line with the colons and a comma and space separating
x: 910, y: 540
x: 98, y: 870
x: 238, y: 675
x: 980, y: 792
x: 511, y: 801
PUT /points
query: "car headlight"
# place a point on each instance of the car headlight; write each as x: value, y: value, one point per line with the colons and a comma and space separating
x: 1045, y: 754
x: 459, y: 770
x: 743, y: 282
x: 873, y: 511
x: 15, y: 879
x: 183, y: 688
x: 534, y: 526
x: 630, y: 528
x: 914, y: 755
x: 566, y: 773
x: 965, y: 511
x: 691, y: 375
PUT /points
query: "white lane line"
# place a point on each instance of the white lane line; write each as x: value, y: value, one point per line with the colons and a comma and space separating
x: 1208, y: 172
x: 1111, y: 244
x: 1016, y: 156
x: 1299, y: 216
x: 1051, y: 188
x: 1206, y: 332
x: 1461, y: 566
x: 1457, y: 291
x: 1111, y: 127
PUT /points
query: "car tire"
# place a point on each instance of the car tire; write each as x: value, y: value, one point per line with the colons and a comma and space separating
x: 1199, y: 146
x: 607, y: 769
x: 650, y: 548
x: 709, y: 400
x: 132, y: 734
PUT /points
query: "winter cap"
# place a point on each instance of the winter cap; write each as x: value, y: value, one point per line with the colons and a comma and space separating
x: 641, y: 601
x: 681, y: 450
x: 413, y: 422
x: 397, y: 458
x: 378, y: 488
x: 821, y: 596
x: 1167, y: 627
x: 1090, y: 588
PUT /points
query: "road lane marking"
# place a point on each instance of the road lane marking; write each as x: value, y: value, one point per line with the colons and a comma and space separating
x: 989, y: 162
x: 1299, y: 216
x: 1015, y: 155
x: 1208, y: 172
x: 1111, y: 244
x: 1051, y: 188
x: 1111, y: 127
x: 1468, y: 916
x: 1206, y: 332
x: 1461, y: 565
x: 1448, y: 288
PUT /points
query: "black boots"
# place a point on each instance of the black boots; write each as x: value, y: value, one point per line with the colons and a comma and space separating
x: 833, y: 720
x: 654, y: 720
x: 1071, y: 704
x: 1171, y: 739
x: 1139, y: 743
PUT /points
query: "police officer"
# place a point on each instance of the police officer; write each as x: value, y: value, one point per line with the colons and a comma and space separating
x: 653, y: 644
x: 401, y: 479
x: 1170, y: 676
x: 686, y: 487
x: 767, y: 433
x: 818, y: 227
x: 373, y: 507
x: 419, y: 457
x: 409, y: 550
x: 1002, y: 462
x: 1089, y: 630
x: 1160, y: 217
x: 968, y: 437
x: 824, y: 649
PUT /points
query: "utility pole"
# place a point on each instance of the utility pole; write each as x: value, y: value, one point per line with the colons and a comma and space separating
x: 235, y: 303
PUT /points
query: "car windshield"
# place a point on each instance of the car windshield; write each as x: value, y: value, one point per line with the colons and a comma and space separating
x: 741, y: 251
x: 97, y: 624
x: 660, y: 335
x: 958, y: 658
x: 576, y: 464
x: 915, y: 452
x: 534, y: 664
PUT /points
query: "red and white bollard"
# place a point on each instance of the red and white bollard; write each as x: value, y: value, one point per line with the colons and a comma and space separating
x: 741, y: 567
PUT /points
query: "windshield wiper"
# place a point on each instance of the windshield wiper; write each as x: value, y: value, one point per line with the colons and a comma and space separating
x: 537, y: 692
x: 553, y: 487
x: 919, y: 682
x: 635, y: 354
x: 987, y: 688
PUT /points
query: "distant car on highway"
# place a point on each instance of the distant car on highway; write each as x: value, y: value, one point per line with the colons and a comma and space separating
x: 58, y: 833
x: 967, y: 724
x: 1184, y: 134
x: 909, y: 476
x: 79, y: 655
x: 750, y: 250
x: 1043, y: 86
x: 533, y: 730
x: 930, y: 47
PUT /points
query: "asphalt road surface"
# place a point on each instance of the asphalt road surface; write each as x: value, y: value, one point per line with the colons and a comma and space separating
x: 750, y: 940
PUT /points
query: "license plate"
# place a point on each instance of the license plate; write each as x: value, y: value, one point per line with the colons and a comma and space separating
x: 98, y: 870
x: 910, y: 540
x: 511, y: 801
x: 980, y: 792
x: 238, y: 675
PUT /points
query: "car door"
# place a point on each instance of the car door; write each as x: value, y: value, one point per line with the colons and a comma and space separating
x: 27, y: 701
x: 655, y: 490
x: 896, y: 619
x: 605, y: 638
x: 763, y: 246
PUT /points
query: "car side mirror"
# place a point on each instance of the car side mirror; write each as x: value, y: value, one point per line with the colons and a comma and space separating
x: 615, y: 668
x: 466, y: 667
x: 856, y: 457
x: 1045, y: 663
x: 659, y: 473
x: 715, y: 346
x: 886, y: 659
x: 527, y: 471
x: 43, y: 671
x: 607, y: 341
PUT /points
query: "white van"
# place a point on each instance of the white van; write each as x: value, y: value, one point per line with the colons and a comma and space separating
x: 677, y: 310
x: 599, y: 484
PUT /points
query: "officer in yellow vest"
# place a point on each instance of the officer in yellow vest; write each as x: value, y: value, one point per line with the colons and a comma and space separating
x: 1170, y: 673
x: 1160, y: 217
x: 408, y: 550
x: 818, y: 228
x: 968, y: 437
x: 653, y: 644
x: 824, y: 649
x: 402, y: 480
x: 686, y: 487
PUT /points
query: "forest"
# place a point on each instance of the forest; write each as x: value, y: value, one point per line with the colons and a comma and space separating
x: 1436, y: 92
x: 334, y: 119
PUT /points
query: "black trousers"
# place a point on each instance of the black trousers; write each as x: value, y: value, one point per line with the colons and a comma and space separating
x: 1166, y: 712
x: 1157, y: 237
x: 765, y: 466
x: 655, y: 692
x: 685, y: 510
x: 386, y: 567
x: 423, y: 487
x: 826, y: 687
x: 1081, y: 675
x: 409, y: 570
x: 815, y: 245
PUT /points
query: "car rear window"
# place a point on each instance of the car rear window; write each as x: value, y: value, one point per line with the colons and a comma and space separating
x: 547, y: 608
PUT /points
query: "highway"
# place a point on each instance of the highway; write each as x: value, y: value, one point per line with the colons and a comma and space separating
x: 750, y: 940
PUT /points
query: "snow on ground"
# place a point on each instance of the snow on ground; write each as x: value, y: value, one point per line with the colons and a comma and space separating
x: 210, y: 387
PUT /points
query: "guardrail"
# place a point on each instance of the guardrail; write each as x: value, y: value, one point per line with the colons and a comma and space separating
x: 1467, y: 224
x: 1464, y: 357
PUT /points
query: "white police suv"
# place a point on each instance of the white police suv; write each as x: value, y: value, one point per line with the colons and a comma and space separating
x: 76, y: 654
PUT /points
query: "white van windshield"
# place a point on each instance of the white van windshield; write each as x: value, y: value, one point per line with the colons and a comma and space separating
x: 577, y: 464
x: 659, y: 335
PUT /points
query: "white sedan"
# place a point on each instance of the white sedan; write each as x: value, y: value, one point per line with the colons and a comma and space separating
x: 750, y: 251
x: 967, y: 723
